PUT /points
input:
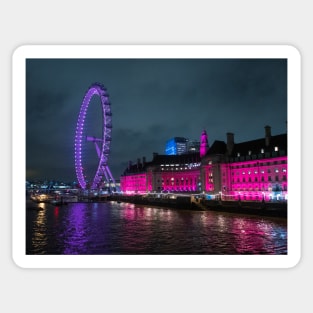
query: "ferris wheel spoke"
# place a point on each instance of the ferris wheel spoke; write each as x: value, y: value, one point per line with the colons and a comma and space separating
x: 94, y: 139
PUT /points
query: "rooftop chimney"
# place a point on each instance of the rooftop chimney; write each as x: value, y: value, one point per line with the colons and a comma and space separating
x: 267, y: 135
x: 230, y: 143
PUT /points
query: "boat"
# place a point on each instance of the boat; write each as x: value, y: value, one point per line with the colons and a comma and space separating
x: 41, y: 198
x: 64, y: 199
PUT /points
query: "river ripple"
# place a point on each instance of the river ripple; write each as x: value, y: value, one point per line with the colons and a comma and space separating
x: 123, y: 228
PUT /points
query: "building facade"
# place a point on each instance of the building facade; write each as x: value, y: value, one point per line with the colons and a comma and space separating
x: 252, y: 170
x: 165, y: 173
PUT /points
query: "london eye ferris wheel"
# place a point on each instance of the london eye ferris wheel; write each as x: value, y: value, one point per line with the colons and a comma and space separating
x: 99, y: 142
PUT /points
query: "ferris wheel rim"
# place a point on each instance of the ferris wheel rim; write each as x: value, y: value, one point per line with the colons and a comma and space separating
x: 96, y: 89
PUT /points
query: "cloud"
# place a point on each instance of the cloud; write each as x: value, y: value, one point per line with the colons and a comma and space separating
x: 151, y: 101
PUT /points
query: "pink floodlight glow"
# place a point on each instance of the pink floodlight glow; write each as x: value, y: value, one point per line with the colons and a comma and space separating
x: 181, y: 181
x: 135, y: 184
x: 217, y: 176
x: 204, y: 144
x: 253, y: 180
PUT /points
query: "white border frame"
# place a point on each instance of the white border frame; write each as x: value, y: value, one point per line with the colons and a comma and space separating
x: 155, y: 51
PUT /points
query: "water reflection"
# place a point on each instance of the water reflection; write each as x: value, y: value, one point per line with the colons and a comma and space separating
x: 120, y: 228
x: 254, y: 237
x: 39, y: 238
x: 75, y: 236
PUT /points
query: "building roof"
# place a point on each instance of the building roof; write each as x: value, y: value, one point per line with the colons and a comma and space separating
x: 178, y: 139
x: 255, y: 146
x: 160, y: 159
x: 218, y: 147
x: 174, y: 159
x: 241, y: 151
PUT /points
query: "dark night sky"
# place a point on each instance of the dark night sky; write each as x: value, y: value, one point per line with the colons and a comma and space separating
x: 152, y: 100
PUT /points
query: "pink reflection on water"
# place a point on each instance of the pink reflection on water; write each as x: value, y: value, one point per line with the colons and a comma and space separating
x: 251, y: 237
x: 56, y: 212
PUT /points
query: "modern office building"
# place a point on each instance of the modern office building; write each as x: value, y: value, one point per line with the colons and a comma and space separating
x: 176, y: 146
x: 193, y: 146
x: 251, y: 170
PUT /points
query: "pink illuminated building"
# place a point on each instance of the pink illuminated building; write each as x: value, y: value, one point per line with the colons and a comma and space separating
x: 169, y: 173
x: 251, y: 170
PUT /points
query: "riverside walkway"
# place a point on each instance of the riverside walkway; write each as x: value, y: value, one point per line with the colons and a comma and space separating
x: 278, y: 209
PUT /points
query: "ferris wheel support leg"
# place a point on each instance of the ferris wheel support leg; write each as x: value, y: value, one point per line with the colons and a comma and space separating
x: 110, y: 174
x: 105, y: 174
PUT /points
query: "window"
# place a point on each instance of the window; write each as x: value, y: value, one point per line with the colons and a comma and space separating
x: 269, y: 178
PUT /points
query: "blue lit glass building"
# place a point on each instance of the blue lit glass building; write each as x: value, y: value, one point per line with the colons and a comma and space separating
x: 176, y: 145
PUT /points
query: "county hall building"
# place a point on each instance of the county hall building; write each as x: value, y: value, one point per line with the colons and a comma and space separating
x: 250, y: 170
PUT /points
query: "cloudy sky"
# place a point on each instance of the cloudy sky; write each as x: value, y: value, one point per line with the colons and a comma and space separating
x: 152, y: 100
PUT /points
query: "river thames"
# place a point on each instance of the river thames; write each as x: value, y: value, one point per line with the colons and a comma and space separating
x: 127, y: 229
